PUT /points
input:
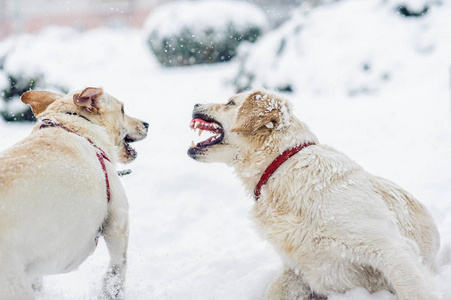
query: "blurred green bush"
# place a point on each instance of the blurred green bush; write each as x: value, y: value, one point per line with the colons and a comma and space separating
x: 188, y: 33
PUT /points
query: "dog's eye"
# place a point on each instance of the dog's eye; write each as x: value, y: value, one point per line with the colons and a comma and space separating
x: 231, y: 102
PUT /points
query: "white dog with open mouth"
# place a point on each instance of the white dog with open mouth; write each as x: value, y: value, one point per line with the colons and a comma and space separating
x: 335, y: 226
x: 59, y: 190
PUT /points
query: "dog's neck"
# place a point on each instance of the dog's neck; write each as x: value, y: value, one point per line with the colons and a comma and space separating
x: 78, y: 125
x: 251, y: 166
x: 280, y: 160
x: 78, y: 115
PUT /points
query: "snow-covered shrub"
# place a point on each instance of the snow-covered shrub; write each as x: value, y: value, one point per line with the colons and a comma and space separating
x: 4, y: 82
x: 23, y: 68
x: 12, y: 86
x: 187, y: 33
x: 414, y: 8
x: 64, y: 59
x: 349, y: 46
x: 13, y: 109
x: 10, y: 90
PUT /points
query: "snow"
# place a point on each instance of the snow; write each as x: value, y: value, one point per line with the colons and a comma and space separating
x: 191, y: 237
x: 13, y: 105
x: 4, y: 82
x: 171, y: 18
x: 369, y: 49
x: 69, y: 58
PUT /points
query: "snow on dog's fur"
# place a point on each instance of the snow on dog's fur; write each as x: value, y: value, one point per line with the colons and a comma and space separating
x: 335, y: 226
x: 53, y: 191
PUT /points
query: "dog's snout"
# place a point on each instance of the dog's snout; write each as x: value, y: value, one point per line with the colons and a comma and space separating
x: 198, y: 108
x: 146, y: 125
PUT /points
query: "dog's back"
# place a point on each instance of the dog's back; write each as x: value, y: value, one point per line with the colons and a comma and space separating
x: 49, y: 181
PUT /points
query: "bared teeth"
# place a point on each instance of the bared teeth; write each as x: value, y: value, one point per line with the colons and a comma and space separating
x: 212, y: 127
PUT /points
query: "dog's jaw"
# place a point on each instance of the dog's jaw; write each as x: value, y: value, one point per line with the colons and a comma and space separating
x: 126, y: 152
x: 203, y: 122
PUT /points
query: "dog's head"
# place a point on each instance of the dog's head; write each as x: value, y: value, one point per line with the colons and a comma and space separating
x: 96, y: 107
x: 246, y: 122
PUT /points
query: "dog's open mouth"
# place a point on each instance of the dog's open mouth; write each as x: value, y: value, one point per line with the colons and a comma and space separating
x: 204, y: 123
x: 131, y: 152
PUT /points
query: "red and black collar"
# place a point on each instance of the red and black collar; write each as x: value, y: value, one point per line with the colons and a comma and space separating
x: 275, y: 165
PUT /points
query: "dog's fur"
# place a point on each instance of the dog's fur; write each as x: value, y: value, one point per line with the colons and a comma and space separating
x: 335, y: 226
x: 53, y: 199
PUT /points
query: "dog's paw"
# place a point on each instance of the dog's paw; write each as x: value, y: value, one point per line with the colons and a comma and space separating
x: 37, y: 285
x: 113, y: 285
x: 290, y: 286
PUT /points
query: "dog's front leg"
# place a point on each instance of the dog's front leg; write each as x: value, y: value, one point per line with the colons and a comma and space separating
x: 289, y: 286
x: 13, y: 281
x: 115, y: 233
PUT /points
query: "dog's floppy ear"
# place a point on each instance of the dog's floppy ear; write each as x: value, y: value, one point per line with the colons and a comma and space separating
x: 39, y: 100
x: 89, y: 98
x: 261, y: 110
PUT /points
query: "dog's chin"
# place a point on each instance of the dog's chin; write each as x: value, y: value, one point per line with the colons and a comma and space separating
x: 199, y: 154
x: 220, y: 153
x: 127, y: 153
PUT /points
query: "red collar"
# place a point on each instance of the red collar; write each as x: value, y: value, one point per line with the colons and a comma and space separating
x: 276, y: 164
x: 101, y: 156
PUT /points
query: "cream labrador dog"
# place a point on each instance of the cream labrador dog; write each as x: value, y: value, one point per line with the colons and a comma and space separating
x: 60, y: 191
x: 335, y: 226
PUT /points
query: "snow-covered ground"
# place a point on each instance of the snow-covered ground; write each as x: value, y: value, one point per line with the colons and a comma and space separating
x: 191, y: 237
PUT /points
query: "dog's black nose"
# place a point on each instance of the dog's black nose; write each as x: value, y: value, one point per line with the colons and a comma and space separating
x: 197, y: 105
x: 146, y: 125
